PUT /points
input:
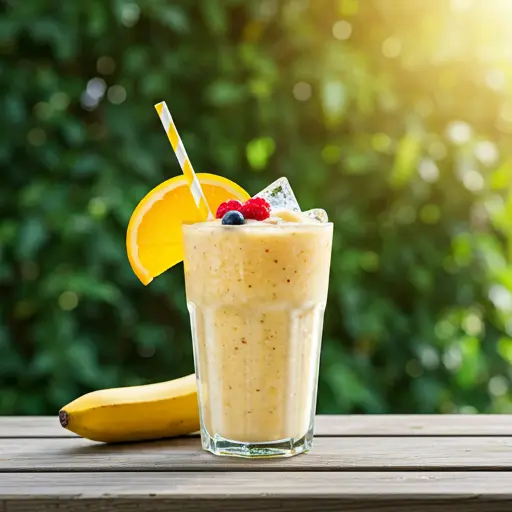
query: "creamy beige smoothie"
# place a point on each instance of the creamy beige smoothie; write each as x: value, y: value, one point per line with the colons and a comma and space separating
x: 256, y: 295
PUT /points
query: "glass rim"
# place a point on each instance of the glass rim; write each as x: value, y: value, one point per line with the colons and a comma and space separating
x: 283, y: 226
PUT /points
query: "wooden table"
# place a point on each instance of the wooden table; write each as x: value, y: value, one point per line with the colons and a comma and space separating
x: 358, y: 463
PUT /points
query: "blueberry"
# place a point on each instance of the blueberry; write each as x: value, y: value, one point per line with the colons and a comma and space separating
x: 233, y: 218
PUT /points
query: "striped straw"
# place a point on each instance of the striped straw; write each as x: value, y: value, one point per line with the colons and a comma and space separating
x: 181, y: 155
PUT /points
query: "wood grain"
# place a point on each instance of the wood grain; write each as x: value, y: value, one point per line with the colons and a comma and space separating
x: 245, y: 484
x: 197, y: 492
x: 325, y: 426
x: 32, y: 426
x: 328, y: 454
x: 291, y: 504
x: 414, y: 425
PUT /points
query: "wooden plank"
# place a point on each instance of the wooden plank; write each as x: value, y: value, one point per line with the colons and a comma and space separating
x: 326, y: 425
x: 228, y: 491
x: 414, y: 425
x: 247, y: 484
x: 328, y: 454
x: 290, y: 504
x: 32, y: 426
x: 21, y: 427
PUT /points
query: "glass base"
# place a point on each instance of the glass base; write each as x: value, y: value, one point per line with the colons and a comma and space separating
x: 218, y: 445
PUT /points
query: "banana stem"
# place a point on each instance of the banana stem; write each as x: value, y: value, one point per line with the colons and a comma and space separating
x: 64, y: 418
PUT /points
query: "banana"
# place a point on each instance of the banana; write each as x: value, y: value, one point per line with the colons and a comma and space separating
x: 135, y: 413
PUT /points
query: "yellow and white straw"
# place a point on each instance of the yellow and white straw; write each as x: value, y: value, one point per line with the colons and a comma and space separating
x: 181, y: 155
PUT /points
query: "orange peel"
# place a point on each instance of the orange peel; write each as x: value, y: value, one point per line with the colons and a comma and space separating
x: 153, y: 239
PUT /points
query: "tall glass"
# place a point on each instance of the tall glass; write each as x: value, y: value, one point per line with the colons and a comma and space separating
x: 256, y: 294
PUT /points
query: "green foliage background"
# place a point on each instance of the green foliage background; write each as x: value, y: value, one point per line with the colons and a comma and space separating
x: 395, y: 116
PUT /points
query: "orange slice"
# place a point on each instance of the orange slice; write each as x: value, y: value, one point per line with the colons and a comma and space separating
x: 153, y: 240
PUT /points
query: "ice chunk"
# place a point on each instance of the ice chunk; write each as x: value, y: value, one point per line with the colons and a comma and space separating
x: 318, y: 214
x: 280, y: 195
x: 281, y: 198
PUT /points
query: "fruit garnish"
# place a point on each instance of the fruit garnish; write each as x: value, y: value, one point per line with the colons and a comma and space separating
x: 227, y: 206
x: 233, y: 218
x: 153, y: 239
x: 256, y: 208
x: 288, y: 215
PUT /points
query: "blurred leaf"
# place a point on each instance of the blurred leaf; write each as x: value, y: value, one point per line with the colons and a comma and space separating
x: 471, y: 362
x: 502, y: 177
x: 505, y: 349
x: 215, y: 17
x: 348, y: 7
x: 259, y: 151
x: 174, y: 17
x: 334, y: 101
x: 406, y: 158
x: 81, y: 284
x: 222, y: 93
x: 32, y: 235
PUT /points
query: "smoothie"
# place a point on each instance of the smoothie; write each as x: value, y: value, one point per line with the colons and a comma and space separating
x: 256, y: 282
x: 256, y: 294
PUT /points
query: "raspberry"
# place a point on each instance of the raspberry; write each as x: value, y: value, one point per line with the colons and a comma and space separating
x: 228, y: 206
x: 256, y: 208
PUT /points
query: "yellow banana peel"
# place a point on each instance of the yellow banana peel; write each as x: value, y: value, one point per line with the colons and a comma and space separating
x: 135, y: 413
